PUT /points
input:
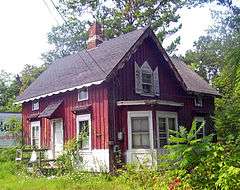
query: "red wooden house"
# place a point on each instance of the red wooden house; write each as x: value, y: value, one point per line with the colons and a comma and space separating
x: 125, y: 93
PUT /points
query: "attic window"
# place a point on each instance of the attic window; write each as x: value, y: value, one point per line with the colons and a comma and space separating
x: 146, y: 80
x: 83, y: 94
x: 35, y: 105
x: 198, y: 102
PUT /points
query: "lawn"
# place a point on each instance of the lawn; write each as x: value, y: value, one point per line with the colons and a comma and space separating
x: 9, y: 180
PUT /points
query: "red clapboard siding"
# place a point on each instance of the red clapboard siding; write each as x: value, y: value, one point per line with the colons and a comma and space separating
x: 98, y: 99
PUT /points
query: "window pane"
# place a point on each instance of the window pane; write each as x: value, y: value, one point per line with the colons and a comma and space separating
x: 84, y: 134
x: 140, y: 124
x: 136, y: 140
x: 147, y: 88
x: 162, y: 124
x: 200, y: 132
x: 163, y: 142
x: 83, y: 94
x: 145, y: 141
x: 147, y: 78
x: 35, y: 136
x: 171, y: 123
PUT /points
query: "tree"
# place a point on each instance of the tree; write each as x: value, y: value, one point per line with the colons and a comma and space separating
x: 9, y: 89
x: 29, y: 74
x: 118, y: 17
x: 217, y: 58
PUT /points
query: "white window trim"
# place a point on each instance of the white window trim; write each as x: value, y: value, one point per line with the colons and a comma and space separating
x: 85, y: 117
x: 201, y: 102
x: 165, y: 115
x: 34, y: 124
x: 201, y: 119
x: 83, y: 98
x: 140, y: 114
x: 35, y: 102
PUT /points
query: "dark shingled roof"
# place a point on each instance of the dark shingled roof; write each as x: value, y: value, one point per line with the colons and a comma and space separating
x: 94, y: 65
x: 192, y: 80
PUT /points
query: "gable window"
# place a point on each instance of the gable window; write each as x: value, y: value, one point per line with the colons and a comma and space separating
x: 166, y: 121
x: 83, y: 94
x: 198, y: 102
x: 200, y: 126
x: 146, y: 80
x: 84, y: 131
x: 35, y: 134
x: 35, y: 105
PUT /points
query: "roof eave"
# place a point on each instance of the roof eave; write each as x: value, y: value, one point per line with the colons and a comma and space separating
x: 20, y: 101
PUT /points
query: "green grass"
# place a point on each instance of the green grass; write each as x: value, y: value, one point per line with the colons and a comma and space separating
x: 10, y: 180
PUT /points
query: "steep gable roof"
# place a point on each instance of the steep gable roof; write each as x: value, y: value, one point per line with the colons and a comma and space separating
x: 93, y: 66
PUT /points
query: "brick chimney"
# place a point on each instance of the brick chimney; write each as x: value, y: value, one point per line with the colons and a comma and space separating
x: 95, y: 35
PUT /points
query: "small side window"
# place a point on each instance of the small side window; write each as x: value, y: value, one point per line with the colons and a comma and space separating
x: 83, y: 94
x: 35, y: 105
x: 198, y: 102
x: 200, y: 126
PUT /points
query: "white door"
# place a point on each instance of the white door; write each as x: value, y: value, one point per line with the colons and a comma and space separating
x: 57, y: 137
x: 140, y: 137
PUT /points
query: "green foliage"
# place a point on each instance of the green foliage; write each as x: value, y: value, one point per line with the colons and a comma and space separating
x: 140, y: 176
x: 8, y: 91
x: 14, y: 126
x: 186, y: 150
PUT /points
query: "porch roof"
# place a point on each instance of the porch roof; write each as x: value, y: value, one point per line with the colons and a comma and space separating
x: 149, y: 102
x: 50, y: 109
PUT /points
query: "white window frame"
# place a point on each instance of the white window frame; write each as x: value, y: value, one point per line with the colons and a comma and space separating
x: 85, y: 117
x: 34, y: 102
x: 36, y: 124
x: 140, y: 114
x: 166, y: 115
x: 196, y: 103
x: 201, y: 119
x: 79, y: 91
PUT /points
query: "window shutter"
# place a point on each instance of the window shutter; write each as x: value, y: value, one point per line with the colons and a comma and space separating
x: 138, y: 79
x: 156, y: 82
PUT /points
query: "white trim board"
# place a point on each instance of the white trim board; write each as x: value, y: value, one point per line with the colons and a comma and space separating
x: 60, y: 91
x: 149, y: 102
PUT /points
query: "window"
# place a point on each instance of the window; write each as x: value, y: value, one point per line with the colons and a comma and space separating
x: 83, y: 94
x: 200, y: 124
x: 35, y: 134
x: 198, y: 101
x: 165, y: 121
x: 35, y: 105
x: 146, y: 80
x: 140, y: 132
x: 84, y: 131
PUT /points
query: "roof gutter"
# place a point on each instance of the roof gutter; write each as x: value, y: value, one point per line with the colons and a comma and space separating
x: 59, y: 91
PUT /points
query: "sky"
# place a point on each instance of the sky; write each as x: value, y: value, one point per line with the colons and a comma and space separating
x: 24, y: 26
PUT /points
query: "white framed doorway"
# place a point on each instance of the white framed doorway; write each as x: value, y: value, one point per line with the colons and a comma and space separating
x: 57, y: 138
